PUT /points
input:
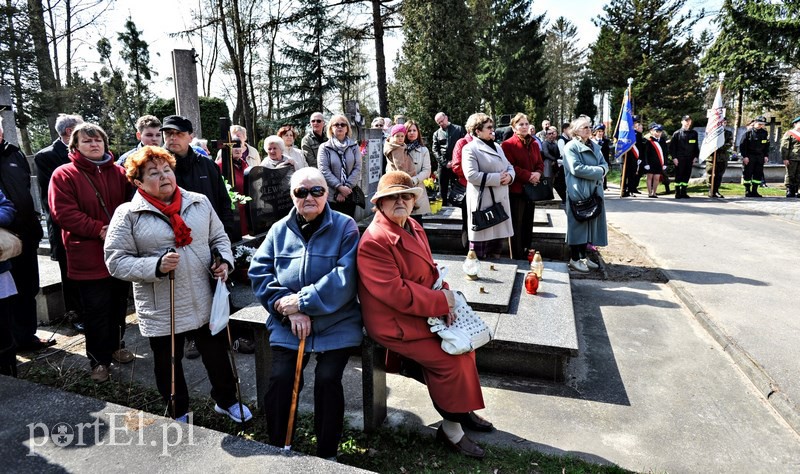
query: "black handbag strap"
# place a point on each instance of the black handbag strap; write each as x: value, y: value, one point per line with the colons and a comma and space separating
x: 97, y: 193
x: 483, y: 186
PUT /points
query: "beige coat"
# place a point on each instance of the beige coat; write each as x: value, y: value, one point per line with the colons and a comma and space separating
x: 478, y: 159
x: 422, y: 165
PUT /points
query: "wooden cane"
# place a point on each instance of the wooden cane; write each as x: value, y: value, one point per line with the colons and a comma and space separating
x: 172, y: 340
x: 293, y: 407
x: 713, y: 172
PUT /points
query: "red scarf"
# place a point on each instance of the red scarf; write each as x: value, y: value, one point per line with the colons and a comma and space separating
x: 183, y: 234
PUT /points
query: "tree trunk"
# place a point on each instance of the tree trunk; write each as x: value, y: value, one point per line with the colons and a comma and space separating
x: 51, y: 103
x: 19, y: 103
x: 380, y: 58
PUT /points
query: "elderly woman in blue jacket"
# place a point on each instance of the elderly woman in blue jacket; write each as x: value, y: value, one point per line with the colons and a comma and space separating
x: 304, y: 274
x: 584, y: 169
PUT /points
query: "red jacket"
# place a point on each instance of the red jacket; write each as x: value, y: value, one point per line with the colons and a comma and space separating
x: 526, y: 160
x: 455, y: 163
x: 75, y: 207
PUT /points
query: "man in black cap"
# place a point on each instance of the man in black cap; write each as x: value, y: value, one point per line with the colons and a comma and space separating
x: 193, y: 172
x: 633, y: 161
x: 790, y: 154
x: 599, y: 137
x: 723, y: 154
x: 755, y: 154
x: 684, y: 149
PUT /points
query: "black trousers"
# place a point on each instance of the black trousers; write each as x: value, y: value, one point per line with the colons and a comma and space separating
x: 560, y: 183
x: 105, y: 302
x: 719, y: 172
x: 69, y: 288
x: 25, y: 271
x: 753, y: 172
x: 446, y: 175
x: 8, y: 356
x: 522, y: 220
x: 347, y: 208
x: 328, y: 397
x: 683, y: 172
x: 214, y: 353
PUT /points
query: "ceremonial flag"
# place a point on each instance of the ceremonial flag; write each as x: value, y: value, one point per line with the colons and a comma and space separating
x: 715, y: 132
x: 626, y: 135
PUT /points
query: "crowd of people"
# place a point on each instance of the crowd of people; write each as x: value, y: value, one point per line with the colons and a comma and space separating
x: 158, y: 221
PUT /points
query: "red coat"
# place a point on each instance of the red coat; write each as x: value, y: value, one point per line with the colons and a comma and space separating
x: 396, y: 272
x: 455, y: 163
x: 75, y: 208
x: 526, y: 160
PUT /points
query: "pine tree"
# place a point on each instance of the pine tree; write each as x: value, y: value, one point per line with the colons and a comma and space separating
x: 585, y: 98
x: 436, y: 70
x: 136, y: 54
x: 650, y: 41
x: 316, y: 65
x: 511, y: 71
x: 565, y: 62
x: 752, y: 75
x: 775, y: 26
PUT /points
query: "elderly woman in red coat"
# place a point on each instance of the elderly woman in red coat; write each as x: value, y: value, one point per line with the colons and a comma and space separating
x: 396, y: 275
x: 522, y: 151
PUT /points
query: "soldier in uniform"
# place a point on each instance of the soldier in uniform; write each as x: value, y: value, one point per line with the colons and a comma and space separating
x: 755, y: 153
x: 684, y: 149
x: 599, y: 137
x: 790, y: 154
x: 722, y: 156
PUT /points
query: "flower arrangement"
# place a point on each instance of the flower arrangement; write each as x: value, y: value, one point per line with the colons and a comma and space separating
x: 242, y: 256
x: 235, y: 197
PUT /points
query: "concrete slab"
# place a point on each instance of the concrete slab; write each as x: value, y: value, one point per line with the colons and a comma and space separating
x: 491, y: 292
x: 65, y: 432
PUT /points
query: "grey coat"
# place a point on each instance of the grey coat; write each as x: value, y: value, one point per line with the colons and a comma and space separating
x: 139, y: 235
x: 478, y: 159
x: 584, y: 169
x: 329, y: 162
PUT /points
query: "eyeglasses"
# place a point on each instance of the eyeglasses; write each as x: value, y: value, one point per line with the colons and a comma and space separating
x: 302, y: 193
x: 488, y: 127
x: 339, y: 125
x: 404, y: 196
x: 316, y: 121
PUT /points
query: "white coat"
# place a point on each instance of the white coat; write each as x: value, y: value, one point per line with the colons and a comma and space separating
x: 479, y: 159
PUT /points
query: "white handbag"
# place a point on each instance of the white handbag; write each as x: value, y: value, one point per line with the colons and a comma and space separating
x: 467, y: 333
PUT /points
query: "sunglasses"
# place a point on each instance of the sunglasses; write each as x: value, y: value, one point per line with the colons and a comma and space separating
x: 339, y: 125
x: 404, y: 196
x: 316, y: 121
x: 302, y: 193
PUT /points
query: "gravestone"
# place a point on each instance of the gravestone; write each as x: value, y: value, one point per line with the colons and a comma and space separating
x: 374, y: 159
x: 184, y: 70
x: 269, y: 190
x: 7, y: 116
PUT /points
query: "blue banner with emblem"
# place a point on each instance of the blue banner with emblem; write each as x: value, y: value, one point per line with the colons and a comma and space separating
x: 626, y: 135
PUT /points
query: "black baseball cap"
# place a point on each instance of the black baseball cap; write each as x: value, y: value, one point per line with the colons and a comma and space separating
x: 761, y: 119
x: 177, y: 122
x: 686, y: 117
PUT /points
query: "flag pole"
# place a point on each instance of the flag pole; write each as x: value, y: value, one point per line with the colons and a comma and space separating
x: 616, y: 129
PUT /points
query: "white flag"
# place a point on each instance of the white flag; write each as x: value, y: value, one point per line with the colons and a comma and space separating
x: 715, y: 132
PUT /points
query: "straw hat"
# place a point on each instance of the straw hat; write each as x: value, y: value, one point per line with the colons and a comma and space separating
x: 395, y: 182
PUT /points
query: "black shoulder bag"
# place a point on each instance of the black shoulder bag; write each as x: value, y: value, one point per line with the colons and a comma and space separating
x: 492, y: 215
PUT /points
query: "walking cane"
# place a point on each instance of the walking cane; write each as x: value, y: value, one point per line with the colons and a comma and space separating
x: 293, y: 407
x: 172, y: 339
x: 218, y: 261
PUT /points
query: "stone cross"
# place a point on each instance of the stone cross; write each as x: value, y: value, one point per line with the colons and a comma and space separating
x: 184, y: 70
x: 7, y: 115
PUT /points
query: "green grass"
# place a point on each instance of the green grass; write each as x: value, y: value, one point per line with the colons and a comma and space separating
x: 387, y: 450
x: 726, y: 189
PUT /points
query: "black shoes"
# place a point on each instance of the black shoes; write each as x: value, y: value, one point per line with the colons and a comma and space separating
x: 466, y: 446
x: 476, y: 423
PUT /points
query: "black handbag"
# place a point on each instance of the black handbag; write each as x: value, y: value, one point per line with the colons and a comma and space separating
x: 539, y: 192
x: 587, y: 209
x: 492, y: 215
x: 358, y: 197
x: 456, y: 193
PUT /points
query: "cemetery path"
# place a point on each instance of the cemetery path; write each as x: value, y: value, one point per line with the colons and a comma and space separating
x: 733, y: 263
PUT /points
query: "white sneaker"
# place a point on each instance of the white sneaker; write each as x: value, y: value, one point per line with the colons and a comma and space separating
x: 590, y: 264
x: 579, y: 265
x: 233, y: 412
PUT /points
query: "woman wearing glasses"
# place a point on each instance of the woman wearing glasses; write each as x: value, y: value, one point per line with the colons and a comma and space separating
x: 396, y: 276
x: 584, y: 169
x: 304, y: 274
x: 339, y: 159
x: 484, y: 159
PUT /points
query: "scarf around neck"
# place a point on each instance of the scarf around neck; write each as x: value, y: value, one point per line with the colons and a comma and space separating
x: 183, y: 234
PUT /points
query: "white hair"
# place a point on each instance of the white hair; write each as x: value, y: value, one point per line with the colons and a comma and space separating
x: 65, y: 121
x: 311, y: 173
x: 276, y: 140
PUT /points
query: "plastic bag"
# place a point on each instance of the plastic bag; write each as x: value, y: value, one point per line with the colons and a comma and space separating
x: 220, y: 311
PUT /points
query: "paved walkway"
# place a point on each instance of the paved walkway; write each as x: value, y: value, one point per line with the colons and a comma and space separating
x: 734, y: 263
